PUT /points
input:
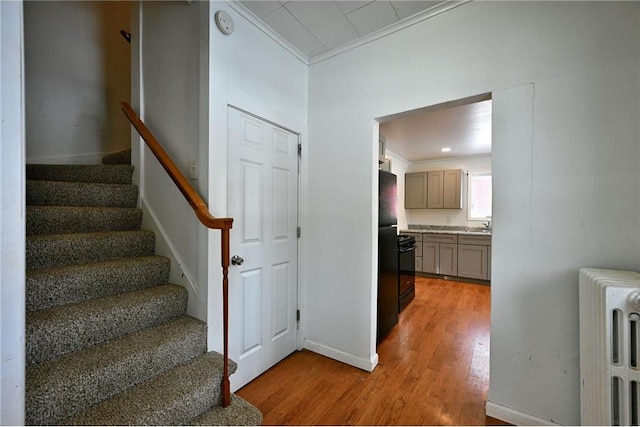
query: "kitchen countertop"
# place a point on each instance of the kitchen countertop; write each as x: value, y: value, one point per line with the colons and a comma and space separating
x: 466, y: 231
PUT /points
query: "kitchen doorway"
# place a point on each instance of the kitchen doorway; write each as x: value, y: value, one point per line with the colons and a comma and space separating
x: 441, y: 156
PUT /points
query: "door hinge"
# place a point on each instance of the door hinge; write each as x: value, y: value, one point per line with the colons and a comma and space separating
x: 298, y: 232
x: 299, y: 150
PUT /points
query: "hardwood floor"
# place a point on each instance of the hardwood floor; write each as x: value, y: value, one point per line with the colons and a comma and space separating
x: 433, y: 370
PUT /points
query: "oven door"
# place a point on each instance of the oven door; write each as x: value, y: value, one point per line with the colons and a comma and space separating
x: 407, y: 276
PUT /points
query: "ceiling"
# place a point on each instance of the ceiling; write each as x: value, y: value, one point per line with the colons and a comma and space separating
x: 315, y: 27
x: 421, y: 134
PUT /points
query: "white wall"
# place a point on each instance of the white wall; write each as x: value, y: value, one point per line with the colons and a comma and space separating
x: 252, y: 72
x: 571, y: 186
x: 450, y: 217
x: 77, y: 71
x: 190, y: 74
x: 12, y: 215
x: 173, y: 61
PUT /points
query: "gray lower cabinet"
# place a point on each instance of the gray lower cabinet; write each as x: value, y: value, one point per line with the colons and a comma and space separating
x: 448, y: 259
x: 453, y: 255
x: 473, y: 261
x: 430, y: 257
x: 439, y: 254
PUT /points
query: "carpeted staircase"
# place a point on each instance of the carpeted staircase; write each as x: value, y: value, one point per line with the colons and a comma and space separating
x: 108, y: 341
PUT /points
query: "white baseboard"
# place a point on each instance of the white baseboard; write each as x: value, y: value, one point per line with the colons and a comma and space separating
x: 514, y: 417
x: 80, y: 159
x: 341, y: 356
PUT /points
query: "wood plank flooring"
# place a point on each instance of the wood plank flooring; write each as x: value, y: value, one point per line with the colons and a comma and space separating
x: 433, y: 370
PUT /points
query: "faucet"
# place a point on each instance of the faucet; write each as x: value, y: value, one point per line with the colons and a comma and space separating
x: 487, y: 226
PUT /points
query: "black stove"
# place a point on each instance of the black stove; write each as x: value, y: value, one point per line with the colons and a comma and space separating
x: 406, y: 270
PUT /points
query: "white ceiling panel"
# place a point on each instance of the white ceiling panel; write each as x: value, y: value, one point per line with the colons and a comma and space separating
x: 317, y: 26
x: 261, y: 8
x: 404, y: 8
x: 308, y: 44
x: 314, y: 13
x: 372, y: 17
x: 348, y: 6
x: 324, y: 20
x: 285, y: 24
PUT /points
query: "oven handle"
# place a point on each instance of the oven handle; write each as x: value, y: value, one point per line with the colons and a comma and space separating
x: 402, y: 250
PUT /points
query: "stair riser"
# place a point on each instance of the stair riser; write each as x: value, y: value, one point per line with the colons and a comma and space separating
x: 119, y: 158
x: 107, y: 174
x: 51, y: 193
x: 55, y: 220
x: 64, y: 249
x: 53, y: 388
x: 48, y: 288
x: 62, y: 330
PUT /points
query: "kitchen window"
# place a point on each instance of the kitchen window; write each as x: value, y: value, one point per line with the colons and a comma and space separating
x: 479, y: 196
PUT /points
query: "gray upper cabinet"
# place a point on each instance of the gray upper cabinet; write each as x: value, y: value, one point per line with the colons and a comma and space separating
x: 451, y: 189
x: 415, y: 190
x: 433, y: 190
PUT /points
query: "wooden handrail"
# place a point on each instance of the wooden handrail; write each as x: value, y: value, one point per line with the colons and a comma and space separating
x: 208, y: 220
x: 194, y: 199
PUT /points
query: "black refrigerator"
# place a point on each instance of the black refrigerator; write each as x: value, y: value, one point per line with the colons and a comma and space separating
x: 387, y: 255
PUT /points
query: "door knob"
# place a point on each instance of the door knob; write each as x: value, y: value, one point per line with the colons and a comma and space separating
x: 237, y: 260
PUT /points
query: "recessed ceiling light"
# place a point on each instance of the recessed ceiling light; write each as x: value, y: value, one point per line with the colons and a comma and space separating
x: 445, y: 149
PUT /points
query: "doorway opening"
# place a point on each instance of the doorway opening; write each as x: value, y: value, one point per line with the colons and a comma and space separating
x: 441, y: 158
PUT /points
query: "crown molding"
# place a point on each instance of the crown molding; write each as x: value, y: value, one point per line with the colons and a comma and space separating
x: 383, y: 32
x: 268, y: 31
x: 452, y: 158
x: 389, y: 29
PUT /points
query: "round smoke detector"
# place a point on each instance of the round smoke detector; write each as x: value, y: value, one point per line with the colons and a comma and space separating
x: 224, y: 22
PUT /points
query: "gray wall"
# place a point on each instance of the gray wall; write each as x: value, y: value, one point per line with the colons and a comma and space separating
x: 566, y: 163
x: 77, y: 71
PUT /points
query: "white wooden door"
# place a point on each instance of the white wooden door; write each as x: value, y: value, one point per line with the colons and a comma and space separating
x: 263, y: 200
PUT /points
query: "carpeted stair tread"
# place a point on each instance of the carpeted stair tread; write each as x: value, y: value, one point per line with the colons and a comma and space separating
x: 78, y: 219
x: 172, y: 398
x: 118, y: 158
x: 59, y: 193
x: 51, y: 250
x: 70, y: 384
x: 239, y: 413
x: 50, y: 287
x: 61, y: 330
x: 107, y: 174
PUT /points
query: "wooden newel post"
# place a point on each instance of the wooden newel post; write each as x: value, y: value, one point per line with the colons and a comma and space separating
x: 226, y: 385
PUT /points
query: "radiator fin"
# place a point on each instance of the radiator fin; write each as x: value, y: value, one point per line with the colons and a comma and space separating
x: 609, y: 347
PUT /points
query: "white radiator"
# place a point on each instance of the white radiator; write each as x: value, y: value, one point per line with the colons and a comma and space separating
x: 609, y: 347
